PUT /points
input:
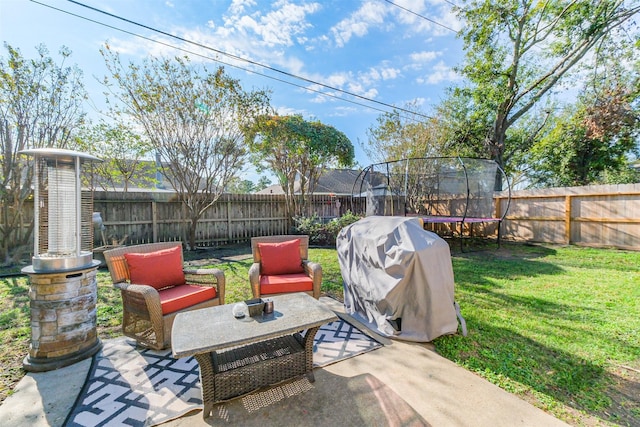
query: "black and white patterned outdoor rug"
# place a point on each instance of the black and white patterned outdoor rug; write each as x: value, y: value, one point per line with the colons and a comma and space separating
x: 127, y: 386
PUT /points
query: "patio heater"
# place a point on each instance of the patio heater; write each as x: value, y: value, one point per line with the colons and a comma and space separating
x: 63, y: 283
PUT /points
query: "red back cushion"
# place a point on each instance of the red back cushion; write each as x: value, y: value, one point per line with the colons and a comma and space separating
x: 158, y: 269
x: 280, y: 258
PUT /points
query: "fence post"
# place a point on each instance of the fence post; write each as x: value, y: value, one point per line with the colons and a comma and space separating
x: 567, y: 219
x: 229, y: 234
x: 154, y: 221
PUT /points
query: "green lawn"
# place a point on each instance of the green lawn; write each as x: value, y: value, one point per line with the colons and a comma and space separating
x: 558, y: 326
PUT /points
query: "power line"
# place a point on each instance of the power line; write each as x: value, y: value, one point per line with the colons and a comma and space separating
x: 329, y: 95
x: 422, y: 16
x: 209, y: 58
x: 237, y: 58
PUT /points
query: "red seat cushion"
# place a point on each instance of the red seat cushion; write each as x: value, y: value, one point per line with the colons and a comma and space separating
x: 184, y: 296
x: 158, y: 269
x: 299, y: 282
x: 280, y: 258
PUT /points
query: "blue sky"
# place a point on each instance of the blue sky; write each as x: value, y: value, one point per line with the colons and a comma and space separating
x: 371, y: 48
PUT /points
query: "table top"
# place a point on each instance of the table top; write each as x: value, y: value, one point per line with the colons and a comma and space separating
x: 215, y: 328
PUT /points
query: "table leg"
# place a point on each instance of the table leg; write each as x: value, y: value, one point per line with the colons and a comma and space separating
x: 207, y: 382
x: 308, y: 352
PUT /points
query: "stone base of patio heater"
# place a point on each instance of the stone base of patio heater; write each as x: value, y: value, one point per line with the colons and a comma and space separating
x: 63, y: 318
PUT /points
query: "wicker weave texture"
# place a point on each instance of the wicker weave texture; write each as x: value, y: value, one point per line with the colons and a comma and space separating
x: 244, y: 369
x: 240, y: 370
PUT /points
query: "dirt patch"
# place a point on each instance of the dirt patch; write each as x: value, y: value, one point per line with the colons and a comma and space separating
x: 625, y: 395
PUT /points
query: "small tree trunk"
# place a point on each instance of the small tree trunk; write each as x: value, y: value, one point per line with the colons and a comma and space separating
x: 192, y: 234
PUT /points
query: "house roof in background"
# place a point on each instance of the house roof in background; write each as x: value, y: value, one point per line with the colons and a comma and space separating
x: 332, y: 181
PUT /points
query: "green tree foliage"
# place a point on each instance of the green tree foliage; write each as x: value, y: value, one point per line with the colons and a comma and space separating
x: 296, y: 148
x: 595, y: 140
x: 246, y: 186
x: 400, y: 135
x: 240, y: 186
x: 463, y: 124
x: 518, y: 52
x: 40, y: 106
x: 589, y: 143
x: 194, y: 119
x: 122, y: 153
x: 263, y: 183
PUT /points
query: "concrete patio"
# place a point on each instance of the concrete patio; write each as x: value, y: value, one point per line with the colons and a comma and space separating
x: 399, y: 384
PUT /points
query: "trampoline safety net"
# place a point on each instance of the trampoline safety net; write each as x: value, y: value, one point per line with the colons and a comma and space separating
x: 431, y: 187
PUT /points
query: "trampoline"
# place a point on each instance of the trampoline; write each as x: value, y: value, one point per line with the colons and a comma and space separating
x: 457, y: 191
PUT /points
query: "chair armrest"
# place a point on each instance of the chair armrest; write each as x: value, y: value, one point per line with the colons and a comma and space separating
x: 147, y: 293
x: 143, y: 301
x: 208, y: 277
x: 254, y: 279
x: 314, y: 270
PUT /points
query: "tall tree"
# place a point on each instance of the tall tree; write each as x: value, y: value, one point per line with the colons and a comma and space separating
x: 40, y: 106
x: 594, y: 140
x: 400, y: 135
x: 122, y: 153
x: 296, y: 148
x: 193, y: 118
x: 517, y: 52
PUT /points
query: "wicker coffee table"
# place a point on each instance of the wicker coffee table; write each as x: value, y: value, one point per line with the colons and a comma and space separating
x: 237, y: 356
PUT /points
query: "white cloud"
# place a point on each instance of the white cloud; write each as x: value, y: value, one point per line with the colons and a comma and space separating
x: 389, y: 73
x: 425, y: 56
x: 369, y: 14
x: 277, y: 27
x: 359, y: 89
x: 440, y: 73
x: 421, y: 59
x: 251, y: 31
x: 378, y: 73
x: 338, y: 79
x: 288, y: 111
x: 238, y: 6
x: 418, y: 102
x: 319, y: 98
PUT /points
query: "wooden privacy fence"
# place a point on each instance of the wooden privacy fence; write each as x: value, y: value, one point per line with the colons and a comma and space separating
x: 143, y: 217
x: 603, y: 216
x: 599, y: 215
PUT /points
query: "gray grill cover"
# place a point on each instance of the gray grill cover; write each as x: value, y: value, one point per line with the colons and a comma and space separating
x: 393, y: 269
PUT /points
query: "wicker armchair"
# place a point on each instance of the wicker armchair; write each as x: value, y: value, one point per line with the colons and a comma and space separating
x: 143, y: 318
x: 311, y: 270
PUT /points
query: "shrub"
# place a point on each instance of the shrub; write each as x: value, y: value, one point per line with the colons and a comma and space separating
x: 323, y: 233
